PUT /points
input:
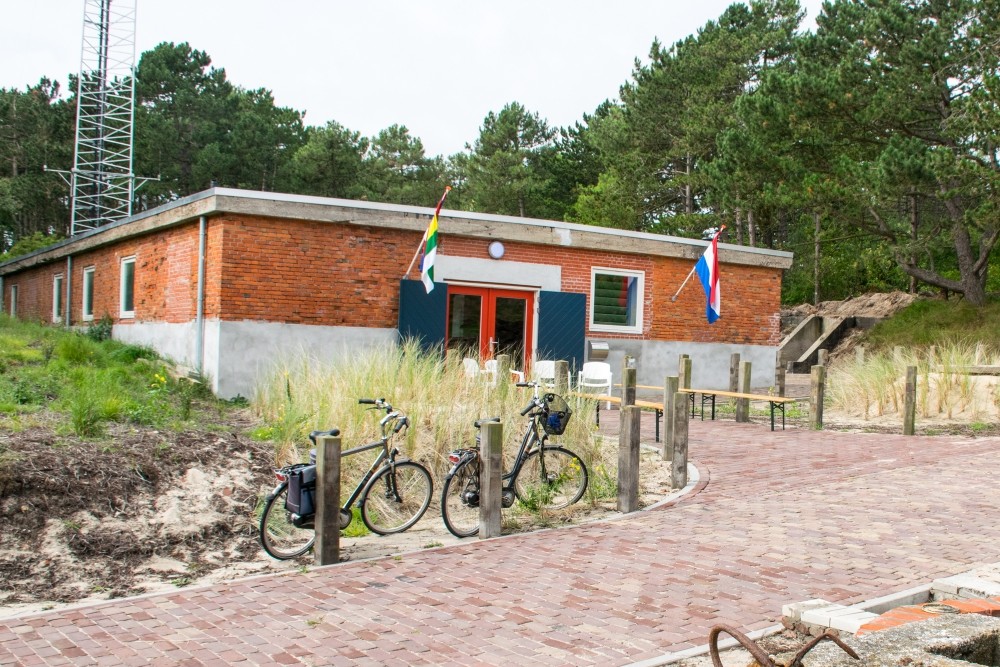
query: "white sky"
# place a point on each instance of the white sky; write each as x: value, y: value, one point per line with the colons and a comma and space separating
x: 437, y: 66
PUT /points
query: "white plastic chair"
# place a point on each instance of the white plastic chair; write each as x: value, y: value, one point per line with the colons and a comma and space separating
x: 595, y: 375
x: 544, y: 372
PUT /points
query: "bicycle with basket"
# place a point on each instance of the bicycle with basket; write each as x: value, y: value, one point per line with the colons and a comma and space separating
x: 392, y: 495
x: 542, y: 476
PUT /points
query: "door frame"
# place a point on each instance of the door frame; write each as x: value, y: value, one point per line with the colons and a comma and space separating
x: 489, y: 293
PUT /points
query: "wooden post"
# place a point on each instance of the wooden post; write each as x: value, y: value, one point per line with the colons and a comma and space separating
x: 824, y: 357
x: 734, y: 371
x: 910, y: 401
x: 684, y: 371
x: 490, y: 488
x: 628, y: 386
x: 562, y: 377
x: 818, y: 383
x: 670, y: 386
x: 628, y: 459
x: 743, y: 404
x: 678, y: 465
x: 327, y: 549
x: 503, y: 369
x: 779, y: 379
x: 859, y: 354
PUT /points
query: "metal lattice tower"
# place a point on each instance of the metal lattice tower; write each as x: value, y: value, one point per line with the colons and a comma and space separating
x: 102, y: 181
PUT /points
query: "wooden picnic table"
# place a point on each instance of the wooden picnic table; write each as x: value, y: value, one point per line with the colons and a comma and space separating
x: 775, y: 402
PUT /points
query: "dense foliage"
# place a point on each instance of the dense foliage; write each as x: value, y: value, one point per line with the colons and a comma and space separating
x: 868, y: 147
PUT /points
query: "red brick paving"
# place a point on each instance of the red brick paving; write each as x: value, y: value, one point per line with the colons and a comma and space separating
x: 781, y: 517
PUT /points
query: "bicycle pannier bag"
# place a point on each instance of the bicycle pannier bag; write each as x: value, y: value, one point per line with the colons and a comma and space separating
x: 302, y: 491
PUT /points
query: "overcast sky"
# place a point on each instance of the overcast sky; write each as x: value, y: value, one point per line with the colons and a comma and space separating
x: 437, y: 67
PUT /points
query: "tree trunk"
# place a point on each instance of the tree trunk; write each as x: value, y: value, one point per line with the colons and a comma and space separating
x: 688, y: 198
x: 816, y: 260
x: 751, y: 231
x: 914, y: 220
x: 739, y: 226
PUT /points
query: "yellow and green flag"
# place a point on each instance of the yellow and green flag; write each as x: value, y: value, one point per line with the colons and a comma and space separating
x: 430, y: 247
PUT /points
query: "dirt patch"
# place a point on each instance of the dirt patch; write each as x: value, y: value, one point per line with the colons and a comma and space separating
x: 145, y: 511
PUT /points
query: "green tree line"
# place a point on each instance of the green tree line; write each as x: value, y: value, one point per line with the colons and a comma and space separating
x: 868, y: 146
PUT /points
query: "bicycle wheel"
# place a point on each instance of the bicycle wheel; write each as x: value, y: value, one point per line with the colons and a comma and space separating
x: 551, y: 478
x: 394, y: 500
x: 460, y: 500
x: 280, y: 538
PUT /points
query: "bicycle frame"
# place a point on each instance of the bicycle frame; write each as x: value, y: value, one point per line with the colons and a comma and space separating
x: 383, y: 456
x: 528, y: 442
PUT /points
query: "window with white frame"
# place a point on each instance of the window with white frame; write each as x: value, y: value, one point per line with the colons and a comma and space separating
x: 127, y: 292
x: 57, y: 297
x: 616, y: 297
x: 88, y: 294
x: 13, y: 300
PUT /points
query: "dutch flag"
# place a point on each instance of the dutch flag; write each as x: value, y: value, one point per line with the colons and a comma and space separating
x: 708, y: 272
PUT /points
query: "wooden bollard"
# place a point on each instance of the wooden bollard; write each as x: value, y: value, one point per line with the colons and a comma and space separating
x: 734, y: 371
x: 823, y: 357
x: 490, y: 487
x: 684, y: 371
x: 628, y: 386
x: 817, y: 387
x: 678, y: 464
x: 910, y: 401
x: 628, y: 459
x: 327, y: 549
x: 670, y: 385
x: 779, y: 379
x: 743, y: 404
x: 562, y: 376
x: 859, y: 355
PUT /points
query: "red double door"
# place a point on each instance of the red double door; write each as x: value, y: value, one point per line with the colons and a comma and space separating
x: 491, y: 321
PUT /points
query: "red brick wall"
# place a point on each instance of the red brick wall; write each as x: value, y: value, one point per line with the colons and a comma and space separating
x: 312, y: 272
x: 751, y: 296
x: 344, y: 275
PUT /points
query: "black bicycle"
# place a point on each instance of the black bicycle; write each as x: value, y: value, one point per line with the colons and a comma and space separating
x: 541, y: 477
x: 392, y: 495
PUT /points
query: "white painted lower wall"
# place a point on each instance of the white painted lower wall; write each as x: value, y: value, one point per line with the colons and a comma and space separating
x: 655, y: 360
x: 238, y: 354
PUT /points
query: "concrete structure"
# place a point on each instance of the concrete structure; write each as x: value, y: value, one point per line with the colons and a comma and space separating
x: 226, y: 281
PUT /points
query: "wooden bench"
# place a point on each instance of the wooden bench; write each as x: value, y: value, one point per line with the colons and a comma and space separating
x: 657, y: 408
x: 709, y: 395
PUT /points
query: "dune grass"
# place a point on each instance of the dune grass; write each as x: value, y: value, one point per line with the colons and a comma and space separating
x: 875, y: 386
x: 302, y: 394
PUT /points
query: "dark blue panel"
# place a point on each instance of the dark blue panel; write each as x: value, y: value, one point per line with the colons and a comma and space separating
x: 562, y: 324
x: 422, y: 315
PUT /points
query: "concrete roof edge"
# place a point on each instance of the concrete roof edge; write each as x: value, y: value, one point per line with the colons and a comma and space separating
x: 306, y: 207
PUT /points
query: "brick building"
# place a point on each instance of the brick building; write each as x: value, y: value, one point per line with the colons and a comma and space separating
x: 226, y: 280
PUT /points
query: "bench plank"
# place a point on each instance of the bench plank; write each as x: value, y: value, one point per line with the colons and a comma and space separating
x: 775, y: 402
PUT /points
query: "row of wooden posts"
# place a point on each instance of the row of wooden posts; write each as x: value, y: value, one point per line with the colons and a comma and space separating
x: 674, y: 447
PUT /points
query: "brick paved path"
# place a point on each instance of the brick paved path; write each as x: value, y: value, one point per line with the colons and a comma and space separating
x: 779, y: 517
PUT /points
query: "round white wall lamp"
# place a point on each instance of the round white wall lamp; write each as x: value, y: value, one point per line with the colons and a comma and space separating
x: 496, y: 250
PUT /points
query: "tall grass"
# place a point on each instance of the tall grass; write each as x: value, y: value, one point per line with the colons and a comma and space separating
x: 302, y: 394
x: 93, y: 383
x: 876, y: 386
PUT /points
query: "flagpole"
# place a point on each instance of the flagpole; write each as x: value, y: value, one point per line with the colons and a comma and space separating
x: 691, y: 273
x: 420, y: 246
x: 413, y: 261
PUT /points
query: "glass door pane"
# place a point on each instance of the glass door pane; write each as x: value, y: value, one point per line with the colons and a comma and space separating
x: 464, y: 318
x: 508, y: 330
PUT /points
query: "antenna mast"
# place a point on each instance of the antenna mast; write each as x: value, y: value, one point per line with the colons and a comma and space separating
x: 101, y: 182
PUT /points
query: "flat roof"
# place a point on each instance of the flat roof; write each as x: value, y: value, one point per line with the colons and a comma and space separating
x: 219, y: 201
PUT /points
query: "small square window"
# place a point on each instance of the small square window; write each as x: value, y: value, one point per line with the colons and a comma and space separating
x: 616, y: 299
x: 57, y: 297
x: 127, y: 293
x: 88, y: 294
